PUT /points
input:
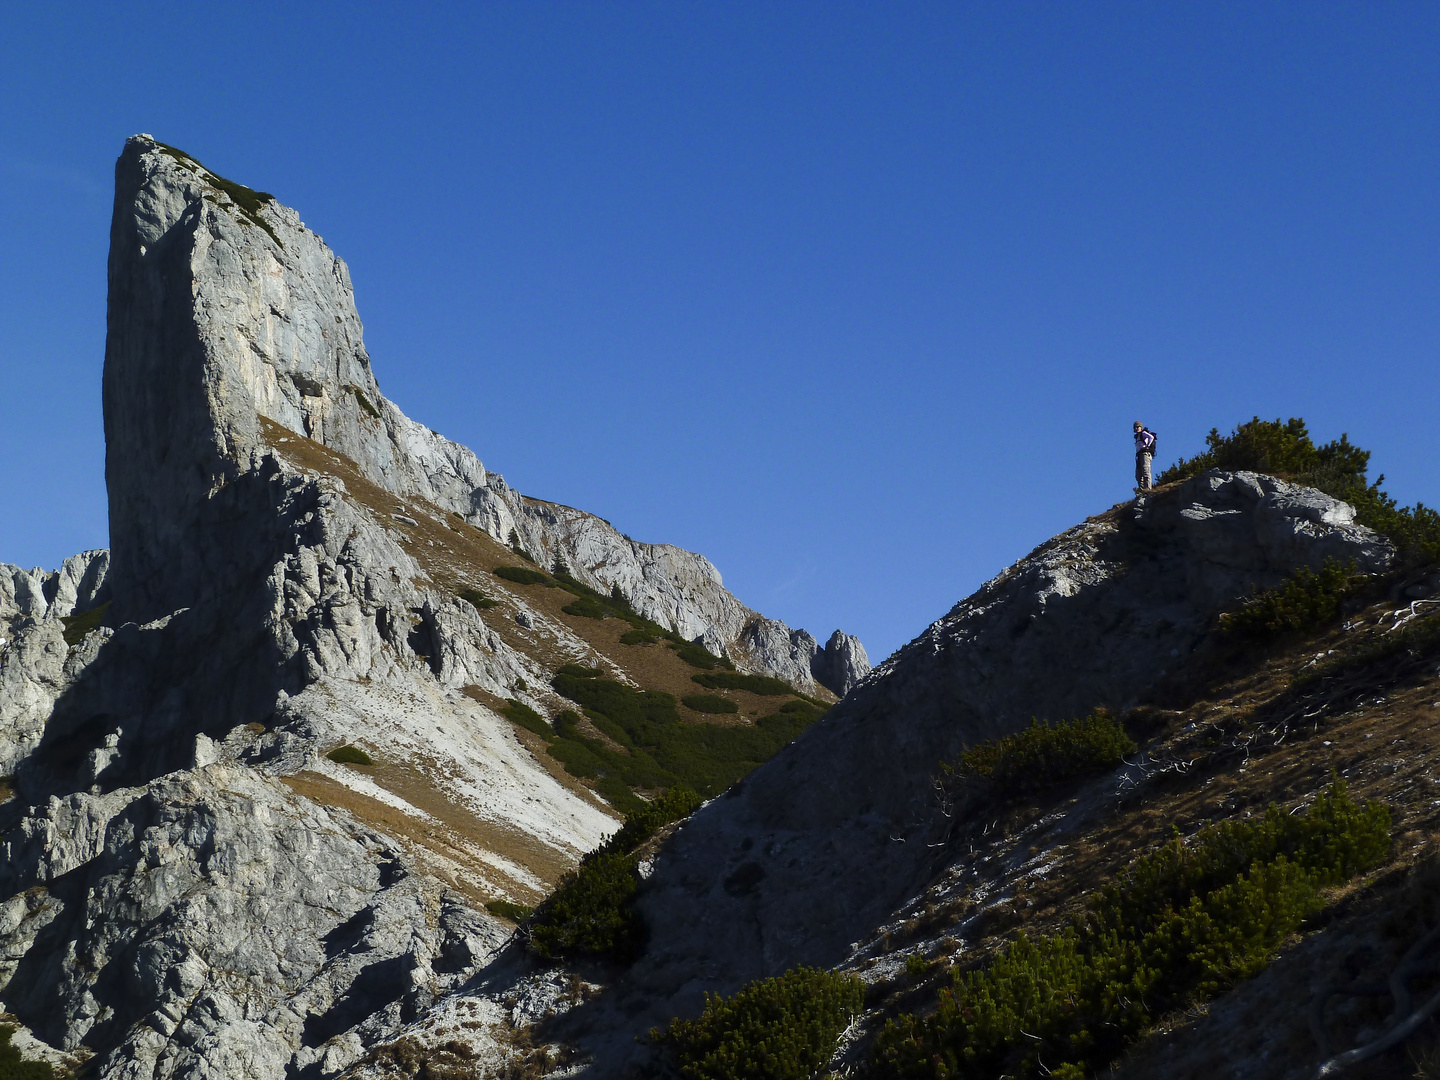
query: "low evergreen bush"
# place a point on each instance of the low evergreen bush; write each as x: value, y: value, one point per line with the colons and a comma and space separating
x: 709, y: 703
x: 1045, y: 754
x: 476, y: 599
x: 587, y: 608
x: 1183, y: 923
x: 649, y: 818
x: 764, y: 685
x: 523, y: 575
x: 350, y: 755
x: 505, y: 909
x: 696, y: 655
x: 1338, y: 468
x: 785, y: 1028
x: 658, y: 748
x: 520, y: 713
x: 364, y: 403
x: 77, y: 626
x: 13, y: 1067
x: 638, y: 637
x: 1306, y: 600
x: 591, y: 912
x: 514, y: 545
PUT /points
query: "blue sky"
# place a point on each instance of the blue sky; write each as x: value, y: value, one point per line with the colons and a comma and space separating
x: 857, y: 299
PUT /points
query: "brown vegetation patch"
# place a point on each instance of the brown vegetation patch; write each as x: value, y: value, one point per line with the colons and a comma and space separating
x: 452, y: 837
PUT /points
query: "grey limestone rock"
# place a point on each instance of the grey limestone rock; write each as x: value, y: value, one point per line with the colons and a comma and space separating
x: 824, y: 840
x: 219, y: 318
x: 214, y: 924
x: 173, y: 895
x: 841, y: 663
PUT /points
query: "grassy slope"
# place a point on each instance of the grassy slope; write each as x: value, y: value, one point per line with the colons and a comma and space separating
x: 455, y: 556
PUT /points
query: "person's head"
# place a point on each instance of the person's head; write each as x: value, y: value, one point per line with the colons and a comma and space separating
x: 1139, y: 426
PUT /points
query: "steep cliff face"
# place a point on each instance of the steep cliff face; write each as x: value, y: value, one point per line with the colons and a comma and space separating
x: 191, y: 886
x: 225, y: 309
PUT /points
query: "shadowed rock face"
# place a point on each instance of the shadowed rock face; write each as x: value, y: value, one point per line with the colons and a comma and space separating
x: 822, y: 842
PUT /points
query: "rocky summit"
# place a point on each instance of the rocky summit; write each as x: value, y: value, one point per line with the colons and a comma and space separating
x: 194, y: 887
x: 289, y: 767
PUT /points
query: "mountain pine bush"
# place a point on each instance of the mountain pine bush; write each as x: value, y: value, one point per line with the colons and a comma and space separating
x: 1306, y: 600
x: 13, y: 1067
x: 785, y: 1028
x: 1338, y: 468
x: 1046, y: 754
x: 591, y: 912
x: 709, y: 703
x: 764, y: 685
x: 1185, y: 922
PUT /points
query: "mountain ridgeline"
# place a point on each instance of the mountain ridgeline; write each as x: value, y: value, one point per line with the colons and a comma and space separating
x: 320, y: 770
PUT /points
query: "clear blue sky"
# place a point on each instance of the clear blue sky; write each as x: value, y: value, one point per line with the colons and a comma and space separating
x: 858, y: 300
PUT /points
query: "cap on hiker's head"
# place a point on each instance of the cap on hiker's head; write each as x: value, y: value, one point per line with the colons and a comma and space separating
x: 1138, y: 425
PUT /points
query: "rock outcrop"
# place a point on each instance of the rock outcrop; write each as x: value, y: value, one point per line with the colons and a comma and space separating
x: 822, y: 842
x: 190, y: 886
x: 795, y: 656
x: 225, y: 310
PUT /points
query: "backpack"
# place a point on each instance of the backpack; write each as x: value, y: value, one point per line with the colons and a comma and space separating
x: 1154, y: 440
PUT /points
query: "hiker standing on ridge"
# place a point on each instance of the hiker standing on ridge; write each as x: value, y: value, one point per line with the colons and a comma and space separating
x: 1144, y: 452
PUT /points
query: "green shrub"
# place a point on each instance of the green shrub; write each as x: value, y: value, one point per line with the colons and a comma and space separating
x: 709, y: 703
x: 1304, y: 601
x: 1183, y: 923
x: 587, y: 608
x: 696, y: 655
x: 248, y: 201
x: 520, y: 713
x: 364, y: 403
x: 1337, y: 468
x: 350, y: 755
x: 523, y: 575
x: 514, y: 545
x: 785, y: 1028
x: 579, y: 671
x: 591, y: 912
x: 1044, y: 755
x: 77, y: 626
x: 763, y: 685
x: 661, y: 750
x: 14, y: 1067
x: 638, y: 637
x: 476, y: 599
x: 649, y: 818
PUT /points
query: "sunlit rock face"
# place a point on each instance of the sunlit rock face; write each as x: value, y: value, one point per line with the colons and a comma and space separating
x: 189, y: 886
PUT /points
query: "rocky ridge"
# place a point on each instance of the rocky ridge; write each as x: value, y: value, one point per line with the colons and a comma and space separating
x: 226, y: 313
x: 818, y: 847
x: 191, y: 886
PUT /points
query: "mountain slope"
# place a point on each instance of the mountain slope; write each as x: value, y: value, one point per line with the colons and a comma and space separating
x: 197, y: 880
